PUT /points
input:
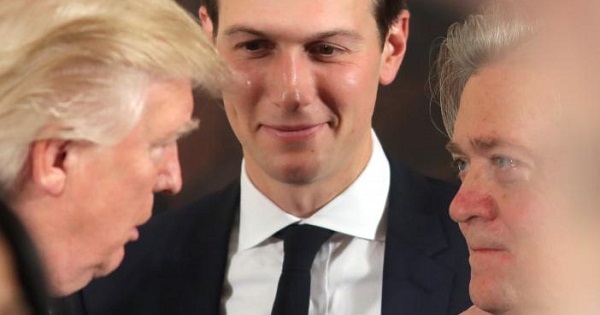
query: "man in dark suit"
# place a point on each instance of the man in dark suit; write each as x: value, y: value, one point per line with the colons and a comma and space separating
x: 306, y: 78
x: 521, y: 111
x: 92, y: 101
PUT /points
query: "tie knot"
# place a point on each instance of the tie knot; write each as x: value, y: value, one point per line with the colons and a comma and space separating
x: 301, y: 242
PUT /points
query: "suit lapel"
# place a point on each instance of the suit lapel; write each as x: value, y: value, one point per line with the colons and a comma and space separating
x: 413, y: 282
x: 201, y: 263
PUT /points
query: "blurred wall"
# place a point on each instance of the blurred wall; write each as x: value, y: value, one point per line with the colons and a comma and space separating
x: 404, y: 118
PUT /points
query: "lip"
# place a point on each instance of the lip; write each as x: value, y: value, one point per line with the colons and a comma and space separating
x: 486, y: 250
x: 293, y: 132
x: 134, y: 235
x: 486, y: 254
x: 485, y: 246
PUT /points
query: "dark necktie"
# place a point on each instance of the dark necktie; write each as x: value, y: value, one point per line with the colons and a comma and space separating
x: 300, y: 245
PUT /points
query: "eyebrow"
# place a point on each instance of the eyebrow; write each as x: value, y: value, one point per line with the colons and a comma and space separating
x: 182, y: 131
x: 482, y: 145
x: 187, y: 128
x: 337, y: 32
x: 453, y: 148
x: 486, y: 144
x: 236, y: 29
x: 240, y: 29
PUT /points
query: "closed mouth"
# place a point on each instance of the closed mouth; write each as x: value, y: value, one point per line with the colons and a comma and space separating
x: 297, y: 132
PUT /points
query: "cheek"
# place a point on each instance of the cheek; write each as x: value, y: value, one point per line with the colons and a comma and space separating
x: 349, y: 93
x: 243, y: 96
x: 519, y: 212
x: 140, y: 173
x: 248, y: 78
x: 357, y: 86
x: 136, y: 195
x: 532, y: 234
x: 359, y: 79
x: 239, y: 116
x: 350, y: 80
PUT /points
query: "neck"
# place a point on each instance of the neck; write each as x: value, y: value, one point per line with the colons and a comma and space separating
x: 304, y: 198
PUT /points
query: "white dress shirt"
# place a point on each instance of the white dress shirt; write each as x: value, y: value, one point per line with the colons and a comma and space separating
x: 346, y: 276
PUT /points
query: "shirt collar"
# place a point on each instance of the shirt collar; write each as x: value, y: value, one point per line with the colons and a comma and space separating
x: 357, y: 211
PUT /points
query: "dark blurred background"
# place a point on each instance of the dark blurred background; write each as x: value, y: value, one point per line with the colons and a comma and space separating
x: 407, y: 122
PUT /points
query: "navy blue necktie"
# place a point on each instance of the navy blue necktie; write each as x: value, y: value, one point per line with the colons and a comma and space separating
x: 300, y: 245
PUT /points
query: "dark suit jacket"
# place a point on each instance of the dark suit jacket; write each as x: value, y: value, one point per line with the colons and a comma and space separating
x: 178, y: 265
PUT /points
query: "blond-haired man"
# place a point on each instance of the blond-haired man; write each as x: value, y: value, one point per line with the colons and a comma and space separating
x: 93, y: 97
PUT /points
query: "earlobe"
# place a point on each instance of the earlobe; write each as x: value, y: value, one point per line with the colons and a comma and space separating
x: 207, y: 24
x: 48, y: 165
x: 394, y: 48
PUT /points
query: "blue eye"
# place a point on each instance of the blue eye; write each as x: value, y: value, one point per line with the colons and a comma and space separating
x: 460, y: 164
x: 508, y: 170
x: 503, y: 162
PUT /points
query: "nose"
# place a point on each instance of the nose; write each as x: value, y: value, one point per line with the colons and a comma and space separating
x: 292, y: 80
x: 169, y: 176
x: 474, y: 200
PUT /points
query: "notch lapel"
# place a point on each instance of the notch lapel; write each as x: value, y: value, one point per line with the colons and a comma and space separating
x: 414, y: 282
x: 198, y: 267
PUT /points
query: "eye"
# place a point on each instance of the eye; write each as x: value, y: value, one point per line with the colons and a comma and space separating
x: 324, y: 50
x: 255, y: 47
x: 508, y: 169
x: 157, y: 151
x: 502, y: 162
x: 461, y: 165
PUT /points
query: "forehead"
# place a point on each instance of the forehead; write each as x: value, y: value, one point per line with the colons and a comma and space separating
x: 294, y: 14
x: 510, y: 101
x: 169, y: 105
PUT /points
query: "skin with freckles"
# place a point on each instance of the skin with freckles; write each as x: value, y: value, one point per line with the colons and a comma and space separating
x: 80, y: 230
x: 305, y: 92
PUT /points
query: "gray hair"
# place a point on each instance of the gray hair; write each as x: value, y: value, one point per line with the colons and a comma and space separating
x: 480, y: 40
x: 78, y: 69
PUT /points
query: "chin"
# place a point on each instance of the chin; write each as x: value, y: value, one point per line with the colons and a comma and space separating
x: 300, y: 172
x: 491, y: 296
x: 64, y: 287
x: 298, y: 177
x: 112, y: 263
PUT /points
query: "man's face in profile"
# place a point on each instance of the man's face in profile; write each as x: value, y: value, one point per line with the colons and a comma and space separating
x: 513, y: 149
x: 109, y: 191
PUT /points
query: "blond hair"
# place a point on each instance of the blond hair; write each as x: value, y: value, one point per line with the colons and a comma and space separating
x: 78, y: 69
x: 480, y: 40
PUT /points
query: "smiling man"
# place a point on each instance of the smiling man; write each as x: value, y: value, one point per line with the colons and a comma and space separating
x: 92, y: 101
x: 306, y: 75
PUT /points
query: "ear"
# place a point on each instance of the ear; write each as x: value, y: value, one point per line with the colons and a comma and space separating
x: 207, y: 24
x: 48, y: 165
x: 394, y: 48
